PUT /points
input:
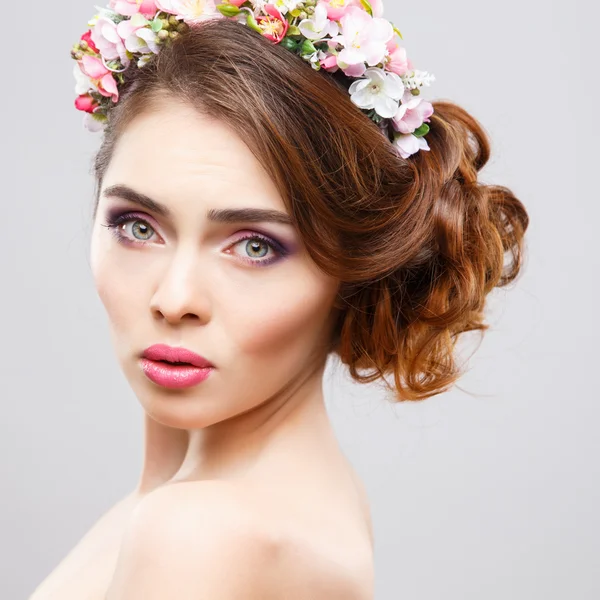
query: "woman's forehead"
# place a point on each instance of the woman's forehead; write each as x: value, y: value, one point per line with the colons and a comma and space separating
x: 176, y: 153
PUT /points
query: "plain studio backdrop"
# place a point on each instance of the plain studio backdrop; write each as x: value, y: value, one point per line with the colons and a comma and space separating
x: 491, y: 490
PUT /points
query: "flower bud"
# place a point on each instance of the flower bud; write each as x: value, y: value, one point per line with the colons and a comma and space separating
x: 173, y: 34
x: 228, y: 10
x: 162, y: 35
x: 310, y: 10
x: 310, y: 2
x: 182, y: 27
x: 303, y: 15
x: 77, y: 54
x: 173, y: 20
x: 165, y: 23
x: 421, y: 131
x: 415, y: 91
x: 83, y: 45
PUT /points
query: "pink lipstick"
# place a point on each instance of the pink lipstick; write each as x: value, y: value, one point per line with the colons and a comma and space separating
x: 174, y: 367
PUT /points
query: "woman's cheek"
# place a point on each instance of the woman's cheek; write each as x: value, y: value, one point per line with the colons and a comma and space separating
x: 114, y: 289
x: 283, y: 320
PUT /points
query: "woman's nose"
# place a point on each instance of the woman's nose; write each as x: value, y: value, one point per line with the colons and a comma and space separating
x: 181, y: 292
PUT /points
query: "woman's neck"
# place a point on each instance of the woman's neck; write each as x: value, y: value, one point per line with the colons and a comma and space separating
x: 239, y: 446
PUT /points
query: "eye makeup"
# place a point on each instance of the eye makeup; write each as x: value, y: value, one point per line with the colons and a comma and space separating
x: 116, y: 221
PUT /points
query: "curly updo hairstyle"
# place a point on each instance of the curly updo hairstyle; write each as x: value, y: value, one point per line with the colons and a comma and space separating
x: 417, y: 243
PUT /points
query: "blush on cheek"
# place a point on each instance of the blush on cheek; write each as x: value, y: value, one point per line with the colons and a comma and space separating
x: 272, y: 329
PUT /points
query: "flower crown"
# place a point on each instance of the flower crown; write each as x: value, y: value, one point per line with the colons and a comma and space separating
x: 350, y: 35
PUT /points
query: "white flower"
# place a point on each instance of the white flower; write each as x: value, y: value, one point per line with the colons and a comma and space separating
x: 142, y: 60
x: 315, y: 59
x: 83, y: 83
x: 258, y: 6
x: 417, y: 79
x: 92, y: 124
x: 190, y: 11
x: 407, y: 144
x: 380, y: 90
x: 319, y: 26
x: 145, y: 41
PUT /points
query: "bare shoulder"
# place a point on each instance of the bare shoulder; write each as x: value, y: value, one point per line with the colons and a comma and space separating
x: 194, y: 540
x: 215, y: 540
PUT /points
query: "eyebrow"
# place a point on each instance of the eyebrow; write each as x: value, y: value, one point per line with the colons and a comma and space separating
x: 221, y: 215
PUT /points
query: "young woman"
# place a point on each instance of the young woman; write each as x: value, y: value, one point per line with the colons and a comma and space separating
x: 251, y: 220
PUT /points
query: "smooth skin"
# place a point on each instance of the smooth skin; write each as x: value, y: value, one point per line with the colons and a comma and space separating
x: 245, y: 491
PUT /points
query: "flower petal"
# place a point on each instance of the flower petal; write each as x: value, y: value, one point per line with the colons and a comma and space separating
x: 93, y: 67
x: 393, y: 86
x: 364, y: 98
x: 385, y: 106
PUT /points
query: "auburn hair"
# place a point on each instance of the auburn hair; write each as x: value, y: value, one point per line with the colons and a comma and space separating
x: 416, y: 243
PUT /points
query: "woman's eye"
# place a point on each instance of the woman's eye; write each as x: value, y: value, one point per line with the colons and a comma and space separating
x: 141, y: 230
x: 255, y: 248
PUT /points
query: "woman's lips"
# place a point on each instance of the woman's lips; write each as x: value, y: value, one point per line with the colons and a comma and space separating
x: 175, y: 354
x: 174, y: 376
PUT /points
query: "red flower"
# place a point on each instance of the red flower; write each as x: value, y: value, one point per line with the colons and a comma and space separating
x: 87, y: 37
x: 85, y: 103
x: 275, y: 25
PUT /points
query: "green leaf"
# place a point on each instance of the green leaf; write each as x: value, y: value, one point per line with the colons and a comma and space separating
x: 308, y: 47
x: 289, y: 44
x: 421, y: 131
x: 398, y: 32
x: 293, y: 30
x: 156, y: 25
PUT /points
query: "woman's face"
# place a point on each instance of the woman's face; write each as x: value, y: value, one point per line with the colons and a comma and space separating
x: 244, y: 295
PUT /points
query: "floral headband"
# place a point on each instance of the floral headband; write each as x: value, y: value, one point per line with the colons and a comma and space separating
x: 350, y: 35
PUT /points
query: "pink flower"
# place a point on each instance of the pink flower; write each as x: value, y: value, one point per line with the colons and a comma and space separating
x: 329, y: 63
x: 87, y: 37
x: 274, y: 25
x: 129, y: 8
x: 108, y: 41
x: 237, y: 3
x: 365, y: 40
x: 411, y: 113
x: 86, y: 103
x: 100, y: 77
x: 336, y: 9
x: 397, y: 61
x: 137, y: 36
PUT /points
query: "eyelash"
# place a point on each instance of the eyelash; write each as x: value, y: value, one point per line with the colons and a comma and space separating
x: 113, y: 224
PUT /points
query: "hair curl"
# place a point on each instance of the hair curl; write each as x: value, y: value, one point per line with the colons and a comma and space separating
x: 416, y: 243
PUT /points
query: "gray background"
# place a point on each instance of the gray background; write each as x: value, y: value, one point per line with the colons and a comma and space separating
x: 488, y: 491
